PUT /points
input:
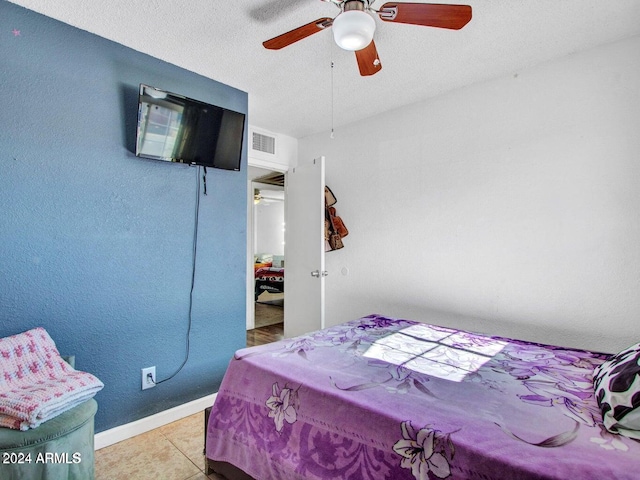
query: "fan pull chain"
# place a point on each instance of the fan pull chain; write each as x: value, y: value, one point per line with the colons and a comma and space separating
x: 332, y: 102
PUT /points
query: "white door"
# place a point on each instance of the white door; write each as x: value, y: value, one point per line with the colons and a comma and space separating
x: 304, y: 249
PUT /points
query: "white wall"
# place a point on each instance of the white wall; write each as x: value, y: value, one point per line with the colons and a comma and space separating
x: 510, y: 207
x: 270, y: 227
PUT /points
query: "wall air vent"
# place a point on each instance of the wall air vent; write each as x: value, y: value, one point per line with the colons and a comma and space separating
x: 270, y: 150
x: 263, y: 143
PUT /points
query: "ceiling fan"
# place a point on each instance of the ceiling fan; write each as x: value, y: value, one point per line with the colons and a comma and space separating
x: 354, y: 26
x: 259, y: 197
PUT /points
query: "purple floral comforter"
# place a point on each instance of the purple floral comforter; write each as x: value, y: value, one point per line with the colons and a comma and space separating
x: 382, y: 398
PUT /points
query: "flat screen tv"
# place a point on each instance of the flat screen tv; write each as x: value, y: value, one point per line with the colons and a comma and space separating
x: 179, y: 129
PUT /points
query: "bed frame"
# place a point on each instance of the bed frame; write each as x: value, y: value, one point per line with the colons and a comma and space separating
x: 225, y: 469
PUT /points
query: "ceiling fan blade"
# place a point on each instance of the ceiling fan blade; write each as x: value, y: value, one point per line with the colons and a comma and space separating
x: 427, y: 14
x: 297, y: 34
x: 368, y: 60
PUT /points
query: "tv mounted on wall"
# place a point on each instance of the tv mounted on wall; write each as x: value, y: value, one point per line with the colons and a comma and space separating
x: 175, y: 128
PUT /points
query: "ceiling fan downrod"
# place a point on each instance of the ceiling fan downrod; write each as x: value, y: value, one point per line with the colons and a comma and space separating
x: 349, y: 5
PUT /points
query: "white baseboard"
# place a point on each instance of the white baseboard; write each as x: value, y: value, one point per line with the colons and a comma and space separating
x: 123, y: 432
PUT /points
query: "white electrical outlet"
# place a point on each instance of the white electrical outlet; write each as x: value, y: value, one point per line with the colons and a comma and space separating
x: 148, y: 377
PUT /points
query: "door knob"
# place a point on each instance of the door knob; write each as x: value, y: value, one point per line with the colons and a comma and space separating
x: 317, y: 274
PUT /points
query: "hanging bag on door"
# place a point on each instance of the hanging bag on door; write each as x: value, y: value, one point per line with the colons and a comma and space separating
x: 331, y: 234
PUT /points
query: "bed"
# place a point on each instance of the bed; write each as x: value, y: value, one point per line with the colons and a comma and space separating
x: 386, y: 398
x: 269, y: 279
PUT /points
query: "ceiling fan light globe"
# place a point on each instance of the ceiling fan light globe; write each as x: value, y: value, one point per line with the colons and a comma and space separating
x: 353, y: 30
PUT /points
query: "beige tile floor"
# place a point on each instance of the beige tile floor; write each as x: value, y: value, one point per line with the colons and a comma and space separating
x: 171, y: 452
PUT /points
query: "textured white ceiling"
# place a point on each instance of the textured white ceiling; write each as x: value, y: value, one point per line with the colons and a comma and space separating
x: 296, y: 92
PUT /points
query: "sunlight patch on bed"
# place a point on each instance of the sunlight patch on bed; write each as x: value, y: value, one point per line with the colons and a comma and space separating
x: 436, y: 351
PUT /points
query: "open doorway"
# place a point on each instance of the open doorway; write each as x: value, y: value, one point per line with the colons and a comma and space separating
x: 267, y: 241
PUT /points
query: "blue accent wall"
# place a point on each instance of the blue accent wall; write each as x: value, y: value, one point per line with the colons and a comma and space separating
x: 96, y: 244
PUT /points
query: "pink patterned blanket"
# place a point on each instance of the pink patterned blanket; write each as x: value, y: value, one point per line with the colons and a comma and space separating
x: 36, y: 384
